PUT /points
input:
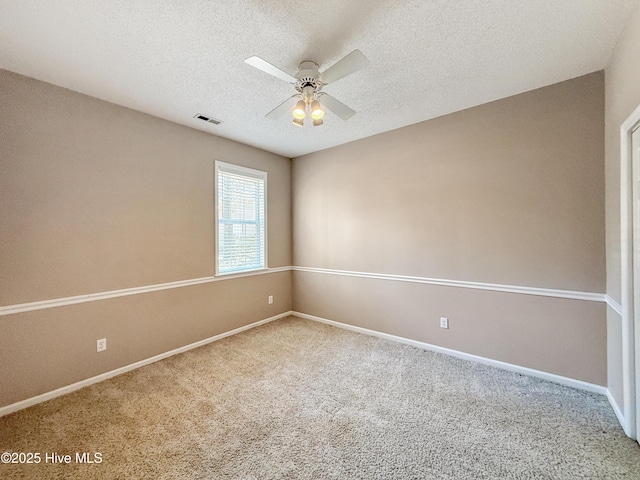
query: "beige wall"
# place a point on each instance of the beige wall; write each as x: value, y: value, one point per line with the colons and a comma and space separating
x: 564, y: 337
x: 622, y: 97
x: 97, y: 197
x: 511, y: 192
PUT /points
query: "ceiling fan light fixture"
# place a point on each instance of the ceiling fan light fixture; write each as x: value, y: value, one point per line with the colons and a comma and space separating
x: 317, y: 122
x: 299, y: 110
x: 308, y: 82
x: 316, y: 111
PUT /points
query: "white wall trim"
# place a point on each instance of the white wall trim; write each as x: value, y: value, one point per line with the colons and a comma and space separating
x: 626, y: 282
x: 551, y: 377
x: 545, y: 292
x: 616, y: 407
x: 615, y: 306
x: 14, y: 407
x: 92, y: 297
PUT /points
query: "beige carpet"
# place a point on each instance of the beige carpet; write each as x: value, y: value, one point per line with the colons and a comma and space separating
x: 295, y: 399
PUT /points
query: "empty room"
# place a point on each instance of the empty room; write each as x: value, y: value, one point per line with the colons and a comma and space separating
x: 320, y: 240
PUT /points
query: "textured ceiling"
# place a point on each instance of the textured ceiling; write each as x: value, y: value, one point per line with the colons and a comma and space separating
x: 173, y: 59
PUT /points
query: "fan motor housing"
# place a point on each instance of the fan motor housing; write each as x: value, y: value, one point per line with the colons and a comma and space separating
x: 308, y: 76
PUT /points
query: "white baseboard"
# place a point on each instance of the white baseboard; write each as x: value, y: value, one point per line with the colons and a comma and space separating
x: 569, y: 382
x: 616, y: 407
x: 474, y: 358
x: 14, y: 407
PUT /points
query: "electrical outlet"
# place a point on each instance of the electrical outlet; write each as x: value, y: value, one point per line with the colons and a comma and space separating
x: 444, y: 322
x: 270, y: 299
x: 102, y: 344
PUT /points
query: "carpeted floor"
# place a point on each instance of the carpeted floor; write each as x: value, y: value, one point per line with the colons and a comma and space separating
x: 295, y: 399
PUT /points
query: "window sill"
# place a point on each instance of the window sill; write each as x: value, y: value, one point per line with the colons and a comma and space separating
x: 243, y: 272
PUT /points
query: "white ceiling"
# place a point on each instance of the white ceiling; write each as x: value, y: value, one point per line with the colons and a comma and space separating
x: 176, y: 58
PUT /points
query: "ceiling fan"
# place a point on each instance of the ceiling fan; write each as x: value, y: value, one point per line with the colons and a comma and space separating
x: 309, y: 82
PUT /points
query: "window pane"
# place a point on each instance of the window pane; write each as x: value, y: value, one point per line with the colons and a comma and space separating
x: 240, y: 218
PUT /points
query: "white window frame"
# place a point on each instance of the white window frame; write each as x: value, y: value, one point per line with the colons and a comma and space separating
x: 247, y: 172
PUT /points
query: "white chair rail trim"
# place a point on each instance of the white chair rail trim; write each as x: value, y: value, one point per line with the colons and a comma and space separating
x: 545, y: 292
x: 92, y: 297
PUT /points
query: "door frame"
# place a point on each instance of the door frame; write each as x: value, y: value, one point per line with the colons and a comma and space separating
x: 630, y: 334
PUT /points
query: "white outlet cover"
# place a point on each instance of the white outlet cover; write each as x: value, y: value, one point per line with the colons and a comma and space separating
x: 102, y: 344
x: 270, y: 299
x: 444, y: 322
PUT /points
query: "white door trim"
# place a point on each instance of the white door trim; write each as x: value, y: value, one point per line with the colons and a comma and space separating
x: 626, y: 248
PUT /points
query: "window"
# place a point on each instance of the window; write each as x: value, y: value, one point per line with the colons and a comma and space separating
x: 240, y: 218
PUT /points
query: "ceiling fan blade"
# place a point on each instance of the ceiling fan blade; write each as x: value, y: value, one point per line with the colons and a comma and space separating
x: 337, y: 107
x: 348, y: 65
x: 266, y: 67
x: 281, y: 109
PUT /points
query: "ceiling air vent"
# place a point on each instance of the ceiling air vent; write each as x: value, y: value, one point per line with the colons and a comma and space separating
x: 199, y: 116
